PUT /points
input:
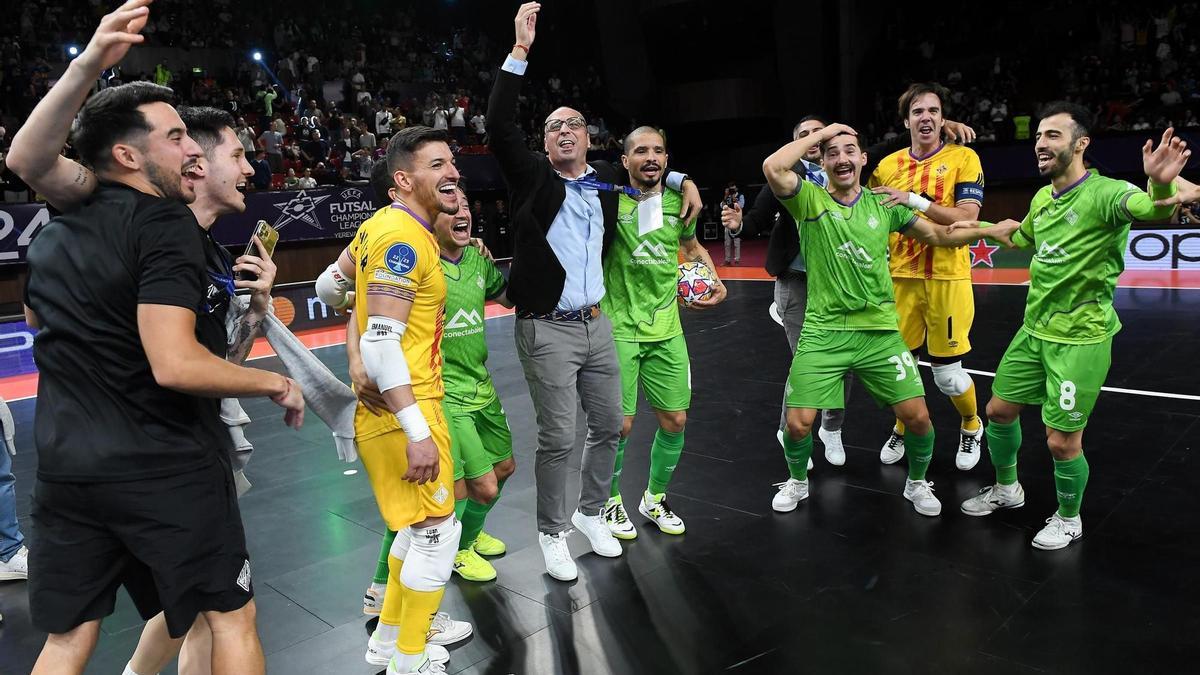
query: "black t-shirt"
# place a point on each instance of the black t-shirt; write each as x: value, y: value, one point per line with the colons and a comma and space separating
x: 101, y: 416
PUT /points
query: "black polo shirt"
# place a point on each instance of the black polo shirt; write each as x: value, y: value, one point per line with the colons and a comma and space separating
x: 100, y: 415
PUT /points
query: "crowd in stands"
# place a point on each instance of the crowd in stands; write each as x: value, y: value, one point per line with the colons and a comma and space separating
x: 1134, y: 64
x: 322, y: 109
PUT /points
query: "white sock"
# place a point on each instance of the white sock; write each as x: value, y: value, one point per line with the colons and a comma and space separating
x: 386, y: 634
x: 378, y: 589
x: 129, y: 669
x: 408, y: 663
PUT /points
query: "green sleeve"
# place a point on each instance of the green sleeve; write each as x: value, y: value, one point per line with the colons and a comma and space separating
x: 1023, y: 237
x: 1138, y: 205
x: 902, y: 218
x: 803, y: 205
x: 495, y: 281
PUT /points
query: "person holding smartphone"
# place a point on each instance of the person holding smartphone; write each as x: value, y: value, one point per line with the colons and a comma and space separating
x: 733, y: 242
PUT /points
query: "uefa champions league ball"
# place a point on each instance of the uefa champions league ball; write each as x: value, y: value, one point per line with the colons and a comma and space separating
x: 695, y: 282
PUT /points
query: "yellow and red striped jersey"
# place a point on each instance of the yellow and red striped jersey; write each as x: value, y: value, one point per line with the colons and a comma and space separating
x: 950, y: 175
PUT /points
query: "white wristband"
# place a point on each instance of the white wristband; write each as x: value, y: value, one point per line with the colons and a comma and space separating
x: 916, y: 201
x: 413, y: 423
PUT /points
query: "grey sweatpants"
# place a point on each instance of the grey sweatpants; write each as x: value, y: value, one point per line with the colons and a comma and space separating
x: 569, y: 363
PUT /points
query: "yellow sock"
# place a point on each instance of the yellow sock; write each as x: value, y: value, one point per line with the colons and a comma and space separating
x: 899, y: 427
x: 968, y: 408
x: 393, y: 599
x: 416, y: 617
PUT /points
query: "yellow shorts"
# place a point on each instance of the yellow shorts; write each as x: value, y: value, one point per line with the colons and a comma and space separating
x: 937, y: 313
x: 385, y: 458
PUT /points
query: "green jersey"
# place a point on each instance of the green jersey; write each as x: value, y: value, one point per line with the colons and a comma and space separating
x: 1079, y: 238
x: 845, y: 247
x: 469, y: 282
x: 641, y: 268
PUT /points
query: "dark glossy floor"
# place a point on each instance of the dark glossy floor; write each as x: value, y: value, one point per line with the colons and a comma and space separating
x: 852, y: 582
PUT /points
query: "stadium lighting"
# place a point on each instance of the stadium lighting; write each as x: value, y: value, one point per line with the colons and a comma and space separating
x: 73, y: 50
x: 257, y: 56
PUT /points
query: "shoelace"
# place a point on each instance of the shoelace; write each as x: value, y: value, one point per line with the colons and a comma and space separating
x: 923, y: 488
x: 559, y: 548
x: 968, y: 443
x: 665, y: 511
x: 618, y: 514
x: 787, y: 486
x: 1057, y: 525
x: 895, y: 440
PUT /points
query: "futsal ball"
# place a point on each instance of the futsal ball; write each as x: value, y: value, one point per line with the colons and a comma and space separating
x: 695, y: 282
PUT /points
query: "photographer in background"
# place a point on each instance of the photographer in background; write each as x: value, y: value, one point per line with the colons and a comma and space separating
x: 733, y: 198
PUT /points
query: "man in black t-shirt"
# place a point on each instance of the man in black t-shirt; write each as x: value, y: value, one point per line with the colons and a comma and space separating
x: 133, y: 484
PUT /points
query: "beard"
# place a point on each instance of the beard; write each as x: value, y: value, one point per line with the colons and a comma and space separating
x: 169, y: 183
x: 1056, y: 168
x: 438, y: 205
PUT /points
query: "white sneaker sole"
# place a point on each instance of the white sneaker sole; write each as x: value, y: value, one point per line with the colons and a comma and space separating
x: 642, y: 510
x: 966, y: 462
x: 441, y: 641
x: 14, y: 576
x: 925, y: 511
x: 776, y: 509
x: 988, y: 513
x: 572, y: 577
x: 1043, y: 547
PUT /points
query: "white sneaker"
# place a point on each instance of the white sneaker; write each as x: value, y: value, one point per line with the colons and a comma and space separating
x: 618, y: 520
x: 970, y: 445
x: 920, y: 493
x: 596, y: 530
x: 779, y: 437
x: 993, y: 498
x: 426, y: 667
x: 380, y: 654
x: 893, y: 450
x: 447, y: 631
x: 558, y: 558
x: 372, y: 602
x: 655, y: 508
x: 791, y: 492
x: 1058, y: 532
x: 17, y: 566
x: 835, y: 452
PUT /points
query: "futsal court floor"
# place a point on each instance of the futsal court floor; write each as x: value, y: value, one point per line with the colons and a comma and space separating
x: 853, y: 581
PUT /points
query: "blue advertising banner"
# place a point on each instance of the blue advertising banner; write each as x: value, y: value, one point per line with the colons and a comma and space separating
x: 320, y: 213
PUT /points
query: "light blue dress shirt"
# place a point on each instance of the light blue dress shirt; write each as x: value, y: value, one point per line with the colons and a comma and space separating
x: 577, y: 238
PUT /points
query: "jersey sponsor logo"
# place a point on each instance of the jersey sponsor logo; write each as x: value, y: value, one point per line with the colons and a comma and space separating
x: 243, y: 580
x: 465, y: 319
x: 1051, y: 254
x: 650, y: 253
x: 857, y: 255
x: 400, y: 258
x: 383, y: 275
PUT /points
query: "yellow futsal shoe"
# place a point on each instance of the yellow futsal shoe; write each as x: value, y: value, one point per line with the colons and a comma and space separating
x: 486, y: 544
x: 471, y: 567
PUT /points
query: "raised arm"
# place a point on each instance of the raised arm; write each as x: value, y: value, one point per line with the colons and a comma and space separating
x: 250, y: 323
x: 34, y: 155
x: 1162, y: 166
x: 505, y: 138
x: 962, y: 232
x: 777, y: 168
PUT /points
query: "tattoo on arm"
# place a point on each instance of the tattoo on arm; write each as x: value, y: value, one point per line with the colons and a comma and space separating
x: 243, y: 339
x: 81, y: 177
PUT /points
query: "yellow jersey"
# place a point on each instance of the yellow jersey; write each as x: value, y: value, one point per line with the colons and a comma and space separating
x: 397, y: 256
x: 949, y: 176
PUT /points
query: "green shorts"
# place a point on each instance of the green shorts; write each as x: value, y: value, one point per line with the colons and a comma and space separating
x: 479, y: 439
x: 878, y: 358
x: 1064, y: 379
x: 663, y: 369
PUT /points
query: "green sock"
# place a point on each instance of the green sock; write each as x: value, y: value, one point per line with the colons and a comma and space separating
x: 1004, y: 440
x: 664, y: 456
x: 1070, y: 478
x: 381, y: 567
x: 616, y: 479
x: 460, y: 507
x: 473, y: 516
x: 919, y: 449
x: 797, y: 454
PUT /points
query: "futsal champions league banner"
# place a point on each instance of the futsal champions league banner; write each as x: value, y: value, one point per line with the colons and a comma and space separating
x: 320, y: 213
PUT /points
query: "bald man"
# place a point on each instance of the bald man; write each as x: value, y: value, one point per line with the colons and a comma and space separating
x: 564, y: 216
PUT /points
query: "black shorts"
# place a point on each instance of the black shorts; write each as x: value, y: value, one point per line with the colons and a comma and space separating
x: 175, y: 543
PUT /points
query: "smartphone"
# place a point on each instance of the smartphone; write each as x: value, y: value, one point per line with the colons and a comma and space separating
x: 269, y: 236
